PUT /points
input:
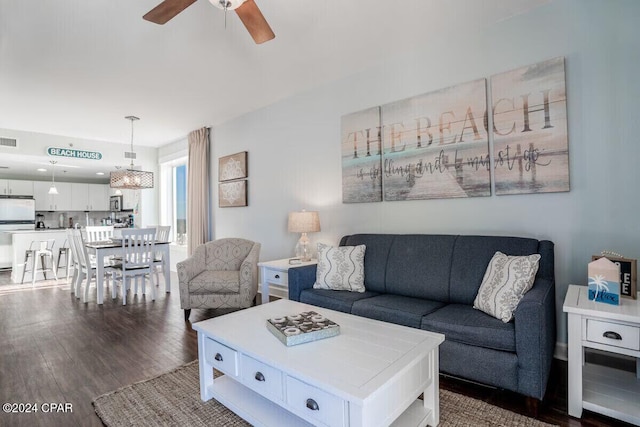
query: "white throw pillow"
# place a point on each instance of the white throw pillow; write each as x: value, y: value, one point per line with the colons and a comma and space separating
x: 505, y: 282
x: 340, y: 268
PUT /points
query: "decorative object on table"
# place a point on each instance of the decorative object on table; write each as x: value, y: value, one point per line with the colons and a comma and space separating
x: 131, y: 179
x: 504, y: 284
x: 340, y: 268
x: 604, y: 281
x: 530, y: 142
x: 361, y: 156
x: 628, y: 272
x: 435, y: 145
x: 53, y: 189
x: 300, y: 328
x: 233, y: 167
x: 232, y: 194
x: 303, y: 222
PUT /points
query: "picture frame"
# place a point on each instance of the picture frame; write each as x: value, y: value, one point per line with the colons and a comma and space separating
x: 232, y: 194
x: 233, y: 166
x: 628, y: 274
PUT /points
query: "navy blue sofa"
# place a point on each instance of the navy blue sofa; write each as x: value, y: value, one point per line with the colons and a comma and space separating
x: 431, y: 281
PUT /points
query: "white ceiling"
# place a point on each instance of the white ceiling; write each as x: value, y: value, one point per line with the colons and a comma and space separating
x: 77, y: 67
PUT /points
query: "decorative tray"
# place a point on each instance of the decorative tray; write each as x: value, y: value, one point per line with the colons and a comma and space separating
x: 303, y: 327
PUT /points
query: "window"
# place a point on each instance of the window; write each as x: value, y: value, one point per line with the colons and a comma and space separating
x: 173, y: 198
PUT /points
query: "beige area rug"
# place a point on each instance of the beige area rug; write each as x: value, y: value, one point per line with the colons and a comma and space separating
x: 173, y: 399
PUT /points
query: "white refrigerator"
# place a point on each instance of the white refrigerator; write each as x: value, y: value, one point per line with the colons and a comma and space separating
x: 16, y: 213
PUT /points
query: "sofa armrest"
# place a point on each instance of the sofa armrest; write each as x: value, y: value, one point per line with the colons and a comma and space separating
x: 187, y: 270
x: 249, y: 272
x: 535, y: 326
x: 301, y: 278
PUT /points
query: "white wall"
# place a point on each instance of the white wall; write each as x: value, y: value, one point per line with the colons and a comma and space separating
x: 294, y: 145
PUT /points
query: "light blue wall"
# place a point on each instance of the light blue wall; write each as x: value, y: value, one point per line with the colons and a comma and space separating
x: 294, y: 145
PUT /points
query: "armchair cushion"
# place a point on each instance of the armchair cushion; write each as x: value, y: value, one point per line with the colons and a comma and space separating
x: 216, y: 282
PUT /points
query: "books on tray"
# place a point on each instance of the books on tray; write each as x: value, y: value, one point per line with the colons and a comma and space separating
x: 302, y: 327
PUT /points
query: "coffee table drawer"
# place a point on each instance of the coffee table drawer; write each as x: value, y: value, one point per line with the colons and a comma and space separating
x: 311, y: 402
x: 262, y: 378
x: 221, y: 357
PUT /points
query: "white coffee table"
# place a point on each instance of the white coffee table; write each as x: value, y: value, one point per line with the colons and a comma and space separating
x: 369, y: 375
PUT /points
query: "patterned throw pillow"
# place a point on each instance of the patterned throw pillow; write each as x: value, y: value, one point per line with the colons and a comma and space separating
x: 340, y: 268
x: 505, y: 282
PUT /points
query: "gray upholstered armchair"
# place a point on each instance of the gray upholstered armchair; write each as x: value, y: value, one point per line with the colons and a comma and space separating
x: 220, y: 274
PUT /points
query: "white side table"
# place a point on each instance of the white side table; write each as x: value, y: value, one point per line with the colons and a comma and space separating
x: 612, y: 328
x: 274, y: 277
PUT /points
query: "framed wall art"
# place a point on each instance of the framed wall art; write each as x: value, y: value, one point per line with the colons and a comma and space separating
x: 361, y: 152
x: 232, y: 194
x: 436, y: 146
x: 232, y: 167
x: 530, y: 142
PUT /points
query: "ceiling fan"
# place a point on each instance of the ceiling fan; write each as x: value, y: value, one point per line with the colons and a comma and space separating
x: 247, y: 11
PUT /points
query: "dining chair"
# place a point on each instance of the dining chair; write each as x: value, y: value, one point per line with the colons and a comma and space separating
x: 86, y: 269
x: 99, y: 233
x: 75, y: 257
x: 137, y: 261
x: 162, y: 235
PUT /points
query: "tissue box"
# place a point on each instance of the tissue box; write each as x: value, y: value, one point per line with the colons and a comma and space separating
x: 604, y: 281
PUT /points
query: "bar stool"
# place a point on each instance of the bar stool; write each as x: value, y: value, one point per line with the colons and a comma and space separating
x: 39, y: 249
x: 64, y: 250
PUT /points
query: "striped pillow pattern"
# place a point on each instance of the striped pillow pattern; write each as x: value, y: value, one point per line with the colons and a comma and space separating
x: 340, y: 268
x: 505, y: 282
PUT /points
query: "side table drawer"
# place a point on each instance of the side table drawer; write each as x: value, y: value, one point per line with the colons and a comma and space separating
x: 614, y: 334
x: 262, y: 378
x: 277, y: 277
x: 221, y: 357
x: 314, y: 403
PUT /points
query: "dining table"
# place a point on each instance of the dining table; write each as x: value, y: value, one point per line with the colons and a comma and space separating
x: 113, y: 247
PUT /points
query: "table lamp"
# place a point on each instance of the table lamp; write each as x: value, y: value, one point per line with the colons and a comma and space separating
x: 303, y: 222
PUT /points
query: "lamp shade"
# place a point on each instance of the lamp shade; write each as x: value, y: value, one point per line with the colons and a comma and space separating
x: 304, y: 222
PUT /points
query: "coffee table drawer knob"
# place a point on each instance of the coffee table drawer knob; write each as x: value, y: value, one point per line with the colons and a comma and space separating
x: 313, y: 405
x: 259, y: 376
x: 218, y: 357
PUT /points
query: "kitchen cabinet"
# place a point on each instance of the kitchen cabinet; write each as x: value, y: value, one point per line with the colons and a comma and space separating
x: 15, y: 187
x: 89, y: 197
x: 52, y: 202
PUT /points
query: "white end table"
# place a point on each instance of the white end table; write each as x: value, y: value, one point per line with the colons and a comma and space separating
x: 274, y: 277
x: 612, y: 328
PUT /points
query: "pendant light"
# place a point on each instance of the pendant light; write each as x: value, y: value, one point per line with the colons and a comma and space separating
x: 53, y: 189
x: 131, y: 179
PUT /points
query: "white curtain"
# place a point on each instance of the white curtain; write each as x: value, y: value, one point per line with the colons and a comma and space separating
x: 198, y: 189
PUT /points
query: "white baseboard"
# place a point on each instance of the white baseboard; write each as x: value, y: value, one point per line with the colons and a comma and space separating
x: 562, y: 351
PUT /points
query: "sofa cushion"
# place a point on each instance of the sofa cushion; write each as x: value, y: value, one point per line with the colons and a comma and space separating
x: 464, y: 324
x: 505, y: 282
x: 419, y: 266
x: 333, y: 300
x: 407, y: 311
x: 340, y: 268
x: 375, y: 257
x: 218, y: 282
x: 471, y: 255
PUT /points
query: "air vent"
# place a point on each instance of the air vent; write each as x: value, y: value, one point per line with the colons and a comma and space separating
x: 129, y: 155
x: 8, y: 142
x: 4, y: 167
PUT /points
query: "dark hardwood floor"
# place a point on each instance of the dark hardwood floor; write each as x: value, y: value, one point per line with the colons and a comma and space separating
x: 55, y: 349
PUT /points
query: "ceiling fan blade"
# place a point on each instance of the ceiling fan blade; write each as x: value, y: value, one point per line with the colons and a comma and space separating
x: 253, y: 19
x: 166, y: 10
